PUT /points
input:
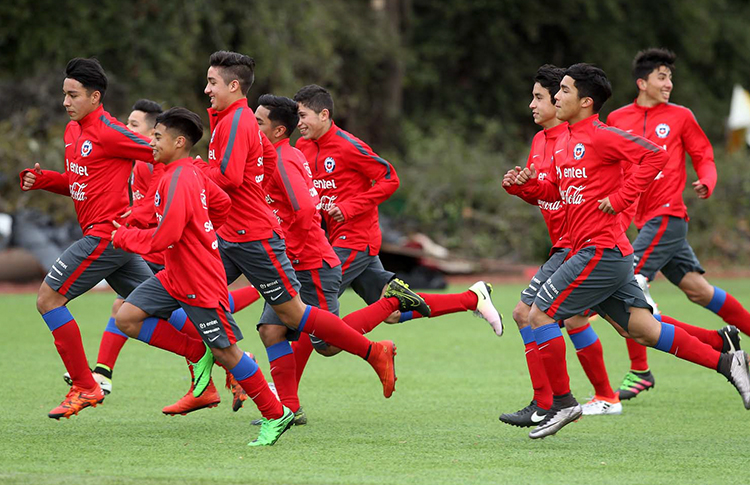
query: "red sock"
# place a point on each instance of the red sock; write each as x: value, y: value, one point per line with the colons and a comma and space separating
x: 70, y: 347
x: 283, y: 373
x: 327, y: 326
x: 638, y: 357
x: 190, y: 330
x: 441, y: 304
x: 244, y: 297
x: 109, y: 349
x: 302, y: 349
x: 166, y: 337
x: 553, y: 357
x: 592, y: 361
x: 735, y: 314
x: 710, y: 337
x: 542, y: 389
x: 689, y: 348
x: 257, y: 388
x: 369, y: 317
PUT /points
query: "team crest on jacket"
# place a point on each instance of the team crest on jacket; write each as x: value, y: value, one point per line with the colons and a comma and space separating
x: 662, y: 130
x: 329, y: 164
x: 86, y: 148
x: 157, y: 199
x: 579, y: 151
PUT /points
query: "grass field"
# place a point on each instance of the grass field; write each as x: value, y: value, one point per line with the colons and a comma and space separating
x: 440, y: 427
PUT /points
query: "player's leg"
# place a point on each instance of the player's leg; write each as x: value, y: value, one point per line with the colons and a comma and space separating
x: 591, y: 356
x: 719, y: 301
x: 276, y: 339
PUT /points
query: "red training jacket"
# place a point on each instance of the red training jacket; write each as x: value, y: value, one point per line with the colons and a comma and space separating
x: 188, y: 206
x: 348, y: 174
x: 588, y: 168
x: 235, y: 163
x: 143, y: 184
x: 99, y: 154
x: 296, y: 204
x: 674, y: 128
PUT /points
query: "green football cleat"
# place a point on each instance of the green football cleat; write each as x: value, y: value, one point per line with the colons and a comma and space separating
x: 300, y: 418
x: 408, y: 300
x: 272, y: 429
x: 202, y: 372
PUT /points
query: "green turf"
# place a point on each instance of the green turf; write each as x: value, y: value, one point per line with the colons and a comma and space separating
x: 441, y: 426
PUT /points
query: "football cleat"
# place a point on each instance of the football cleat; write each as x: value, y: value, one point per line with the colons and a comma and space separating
x: 634, y: 383
x: 239, y: 396
x: 527, y: 417
x: 739, y: 375
x: 202, y: 372
x: 300, y: 418
x: 485, y: 308
x: 76, y: 400
x: 599, y: 406
x: 555, y: 420
x: 408, y: 301
x: 189, y: 403
x: 104, y: 382
x: 272, y: 429
x: 643, y: 283
x: 382, y: 359
x: 731, y: 337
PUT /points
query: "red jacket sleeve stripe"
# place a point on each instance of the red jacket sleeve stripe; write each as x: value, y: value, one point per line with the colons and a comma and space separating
x: 124, y: 131
x: 172, y: 188
x: 230, y: 143
x: 366, y: 153
x: 280, y: 166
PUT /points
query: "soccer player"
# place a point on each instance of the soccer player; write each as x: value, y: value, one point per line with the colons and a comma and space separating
x: 188, y: 204
x: 251, y: 242
x: 587, y: 177
x: 352, y: 181
x: 295, y: 202
x: 584, y: 338
x: 661, y: 216
x: 99, y: 151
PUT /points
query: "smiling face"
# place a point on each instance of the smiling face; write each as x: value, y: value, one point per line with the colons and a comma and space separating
x: 78, y: 102
x: 656, y: 88
x: 165, y: 145
x: 219, y: 92
x: 542, y: 109
x: 312, y: 125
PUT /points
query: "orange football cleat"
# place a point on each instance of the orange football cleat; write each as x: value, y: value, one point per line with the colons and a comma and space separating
x: 382, y: 359
x: 187, y: 403
x: 76, y: 400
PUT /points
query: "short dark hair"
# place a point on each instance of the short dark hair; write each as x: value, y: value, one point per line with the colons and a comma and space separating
x: 549, y: 77
x: 316, y: 98
x: 184, y: 122
x: 89, y: 73
x: 591, y: 82
x: 151, y: 108
x: 281, y: 110
x: 653, y: 58
x: 235, y: 66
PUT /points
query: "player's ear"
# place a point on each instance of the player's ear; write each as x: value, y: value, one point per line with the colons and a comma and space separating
x: 325, y: 115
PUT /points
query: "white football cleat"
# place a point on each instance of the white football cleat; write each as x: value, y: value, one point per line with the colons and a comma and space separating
x: 485, y: 308
x: 643, y: 283
x: 599, y: 407
x: 104, y: 382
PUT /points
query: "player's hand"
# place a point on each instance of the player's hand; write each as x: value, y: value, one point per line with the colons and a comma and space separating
x: 510, y: 176
x: 606, y: 206
x: 117, y: 226
x: 393, y: 317
x: 701, y: 189
x: 336, y: 214
x: 29, y: 178
x: 125, y: 216
x: 526, y: 174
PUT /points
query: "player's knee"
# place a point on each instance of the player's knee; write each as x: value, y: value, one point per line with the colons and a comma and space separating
x: 48, y: 299
x: 126, y: 322
x: 117, y: 305
x: 698, y: 296
x: 521, y: 315
x: 271, y: 334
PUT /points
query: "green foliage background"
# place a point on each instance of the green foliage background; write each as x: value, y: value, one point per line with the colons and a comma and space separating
x: 440, y: 88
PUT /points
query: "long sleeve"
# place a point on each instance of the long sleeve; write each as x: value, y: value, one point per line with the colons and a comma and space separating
x: 119, y: 142
x: 219, y: 204
x: 365, y: 161
x: 228, y: 170
x: 701, y: 153
x: 142, y: 211
x: 292, y: 183
x: 50, y: 181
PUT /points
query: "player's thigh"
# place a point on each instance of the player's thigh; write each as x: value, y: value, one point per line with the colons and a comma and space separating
x: 618, y: 306
x: 130, y: 275
x: 269, y: 317
x: 684, y: 261
x: 370, y: 282
x: 546, y: 270
x: 151, y: 297
x: 657, y: 243
x: 320, y: 287
x: 216, y: 325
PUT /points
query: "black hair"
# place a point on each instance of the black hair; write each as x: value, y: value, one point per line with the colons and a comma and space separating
x: 316, y: 98
x: 653, y: 58
x: 549, y: 77
x: 235, y: 66
x: 151, y: 108
x: 281, y: 110
x: 184, y: 122
x: 591, y: 82
x: 89, y: 73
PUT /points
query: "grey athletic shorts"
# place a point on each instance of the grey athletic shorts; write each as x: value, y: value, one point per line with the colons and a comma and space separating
x: 363, y: 272
x: 216, y: 325
x: 662, y: 245
x: 320, y: 288
x: 91, y: 259
x: 593, y: 278
x: 265, y: 264
x: 545, y: 271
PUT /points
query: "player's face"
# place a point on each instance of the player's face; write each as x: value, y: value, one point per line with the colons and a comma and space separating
x: 163, y: 144
x: 138, y: 122
x: 218, y: 91
x: 567, y: 104
x: 658, y: 86
x: 265, y: 124
x: 311, y: 125
x: 78, y: 101
x: 541, y: 106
